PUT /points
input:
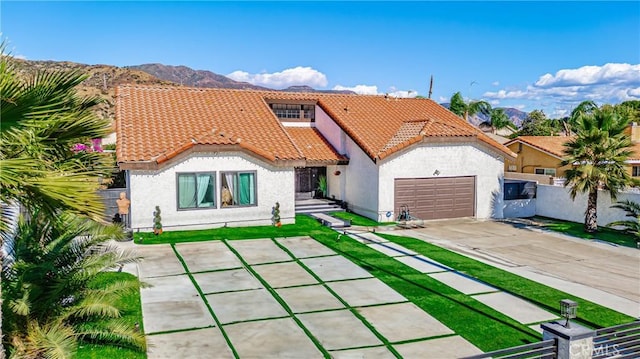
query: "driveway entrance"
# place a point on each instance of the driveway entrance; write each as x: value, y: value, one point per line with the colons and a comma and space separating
x: 600, y: 272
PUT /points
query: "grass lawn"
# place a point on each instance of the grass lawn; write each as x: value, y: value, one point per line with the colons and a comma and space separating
x: 548, y: 298
x: 577, y: 230
x: 476, y: 322
x: 131, y: 314
x: 304, y: 226
x: 358, y: 220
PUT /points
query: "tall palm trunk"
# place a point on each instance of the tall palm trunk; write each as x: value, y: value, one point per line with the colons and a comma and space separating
x: 591, y: 217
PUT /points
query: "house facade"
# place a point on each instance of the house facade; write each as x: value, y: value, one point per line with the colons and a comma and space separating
x: 542, y: 155
x: 219, y: 157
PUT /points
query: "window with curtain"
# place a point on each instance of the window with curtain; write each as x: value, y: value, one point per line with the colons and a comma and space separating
x: 238, y: 189
x: 196, y: 190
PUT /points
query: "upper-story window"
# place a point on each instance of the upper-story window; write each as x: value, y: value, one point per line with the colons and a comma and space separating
x: 294, y: 112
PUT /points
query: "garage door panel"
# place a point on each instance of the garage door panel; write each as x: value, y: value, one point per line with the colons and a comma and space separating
x: 436, y: 198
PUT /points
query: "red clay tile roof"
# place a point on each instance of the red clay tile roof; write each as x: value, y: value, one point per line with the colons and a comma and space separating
x: 159, y: 122
x: 155, y: 124
x: 313, y: 145
x: 382, y: 126
x: 553, y: 145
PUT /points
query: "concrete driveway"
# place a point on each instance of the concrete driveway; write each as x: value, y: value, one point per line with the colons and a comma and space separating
x: 282, y: 298
x: 600, y: 272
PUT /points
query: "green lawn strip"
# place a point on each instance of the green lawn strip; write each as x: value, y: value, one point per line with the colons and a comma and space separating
x: 304, y: 226
x: 577, y: 230
x: 131, y: 314
x: 346, y: 305
x: 357, y: 220
x: 206, y: 302
x: 279, y: 299
x: 548, y: 298
x: 481, y: 325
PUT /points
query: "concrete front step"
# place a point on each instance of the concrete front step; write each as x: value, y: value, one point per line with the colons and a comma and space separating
x: 318, y: 210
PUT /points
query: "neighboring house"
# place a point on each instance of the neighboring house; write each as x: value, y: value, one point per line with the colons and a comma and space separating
x: 503, y: 132
x: 216, y: 157
x: 542, y: 155
x: 539, y: 155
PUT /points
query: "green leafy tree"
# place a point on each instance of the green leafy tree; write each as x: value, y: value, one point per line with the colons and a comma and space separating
x: 464, y: 109
x: 631, y: 226
x: 500, y: 120
x: 48, y: 302
x: 537, y: 124
x: 597, y: 154
x: 632, y: 107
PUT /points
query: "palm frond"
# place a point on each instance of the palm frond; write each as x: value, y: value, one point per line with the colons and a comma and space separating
x: 115, y: 332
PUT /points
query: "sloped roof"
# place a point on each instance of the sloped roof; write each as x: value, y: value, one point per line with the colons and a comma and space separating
x: 313, y: 146
x: 553, y: 145
x: 157, y: 123
x: 382, y: 125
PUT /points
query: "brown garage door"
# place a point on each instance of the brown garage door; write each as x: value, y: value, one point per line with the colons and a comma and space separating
x: 436, y: 198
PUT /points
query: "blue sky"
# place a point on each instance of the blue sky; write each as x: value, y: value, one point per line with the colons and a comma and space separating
x: 529, y: 55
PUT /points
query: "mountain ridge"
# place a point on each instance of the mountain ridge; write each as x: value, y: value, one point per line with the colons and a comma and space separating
x: 103, y: 79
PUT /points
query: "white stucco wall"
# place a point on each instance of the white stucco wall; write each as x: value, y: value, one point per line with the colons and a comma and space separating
x: 336, y: 183
x: 450, y: 160
x: 330, y: 130
x: 555, y: 202
x: 158, y: 188
x: 361, y: 182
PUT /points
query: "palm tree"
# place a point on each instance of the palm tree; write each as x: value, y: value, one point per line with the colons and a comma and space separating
x: 49, y: 304
x: 464, y: 109
x: 585, y: 108
x: 500, y: 120
x: 597, y: 154
x: 42, y: 119
x: 631, y: 226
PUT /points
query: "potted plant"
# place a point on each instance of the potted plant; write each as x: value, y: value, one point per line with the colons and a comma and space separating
x: 276, y: 215
x: 322, y: 186
x: 157, y: 222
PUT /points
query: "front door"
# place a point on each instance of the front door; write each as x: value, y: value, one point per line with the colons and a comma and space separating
x: 307, y: 181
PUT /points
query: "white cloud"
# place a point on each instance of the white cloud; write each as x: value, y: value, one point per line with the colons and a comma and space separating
x: 403, y: 94
x: 494, y: 102
x: 373, y: 90
x: 359, y: 89
x: 502, y: 94
x: 610, y: 83
x: 560, y: 113
x: 612, y: 73
x: 520, y: 106
x: 296, y: 76
x: 495, y: 83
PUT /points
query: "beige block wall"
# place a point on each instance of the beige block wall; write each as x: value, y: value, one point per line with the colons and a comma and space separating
x: 530, y: 158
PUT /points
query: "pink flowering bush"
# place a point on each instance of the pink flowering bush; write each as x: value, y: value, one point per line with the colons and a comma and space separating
x: 96, y: 146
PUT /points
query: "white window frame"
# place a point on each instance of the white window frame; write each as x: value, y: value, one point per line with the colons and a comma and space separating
x: 635, y: 171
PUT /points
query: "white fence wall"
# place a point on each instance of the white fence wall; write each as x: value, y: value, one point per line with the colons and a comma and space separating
x: 555, y: 202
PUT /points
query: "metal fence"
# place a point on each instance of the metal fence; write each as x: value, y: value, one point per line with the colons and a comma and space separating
x: 620, y: 342
x: 545, y: 349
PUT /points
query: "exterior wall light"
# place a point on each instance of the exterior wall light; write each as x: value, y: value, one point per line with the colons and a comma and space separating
x: 337, y: 173
x: 568, y: 310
